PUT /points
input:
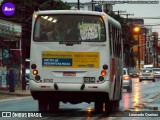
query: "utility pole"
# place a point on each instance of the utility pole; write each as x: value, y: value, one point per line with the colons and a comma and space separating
x: 127, y: 14
x: 136, y: 30
x: 23, y: 50
x: 138, y: 53
x: 78, y: 4
x: 92, y: 6
x: 131, y: 30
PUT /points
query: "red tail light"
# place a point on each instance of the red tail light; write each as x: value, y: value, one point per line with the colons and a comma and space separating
x: 126, y: 77
x: 140, y: 74
x: 103, y: 73
x: 152, y: 74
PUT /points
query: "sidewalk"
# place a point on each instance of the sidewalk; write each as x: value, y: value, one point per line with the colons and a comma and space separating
x: 17, y: 92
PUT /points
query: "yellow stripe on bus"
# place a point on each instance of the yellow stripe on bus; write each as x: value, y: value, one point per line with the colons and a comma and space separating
x: 52, y: 59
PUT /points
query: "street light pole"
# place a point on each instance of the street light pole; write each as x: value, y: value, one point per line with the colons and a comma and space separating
x: 138, y: 47
x: 138, y: 53
x: 92, y: 6
x: 78, y: 5
x: 136, y: 30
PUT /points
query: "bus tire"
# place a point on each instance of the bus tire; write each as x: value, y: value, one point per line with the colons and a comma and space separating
x: 53, y: 106
x: 98, y: 106
x: 111, y: 106
x: 42, y: 105
x: 121, y: 89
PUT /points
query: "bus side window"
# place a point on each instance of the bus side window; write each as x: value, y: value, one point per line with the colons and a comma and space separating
x: 110, y: 38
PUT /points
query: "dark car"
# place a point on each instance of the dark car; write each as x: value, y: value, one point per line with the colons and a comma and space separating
x: 134, y: 72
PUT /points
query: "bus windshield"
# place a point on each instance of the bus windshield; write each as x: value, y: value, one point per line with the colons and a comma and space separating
x: 57, y: 28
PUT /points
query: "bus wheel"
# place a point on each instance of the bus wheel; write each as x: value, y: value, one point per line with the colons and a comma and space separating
x: 111, y: 106
x: 98, y: 106
x: 43, y: 105
x: 53, y: 106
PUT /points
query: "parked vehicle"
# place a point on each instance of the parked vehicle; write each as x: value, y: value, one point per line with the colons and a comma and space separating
x: 148, y: 66
x: 134, y: 72
x: 127, y: 82
x: 156, y: 72
x: 146, y: 74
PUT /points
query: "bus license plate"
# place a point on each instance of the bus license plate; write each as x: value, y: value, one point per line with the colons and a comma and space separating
x: 69, y: 74
x: 89, y: 79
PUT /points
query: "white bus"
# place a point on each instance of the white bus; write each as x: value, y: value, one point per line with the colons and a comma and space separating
x: 76, y: 56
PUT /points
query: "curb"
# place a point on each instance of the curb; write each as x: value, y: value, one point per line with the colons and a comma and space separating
x: 22, y: 93
x: 152, y: 107
x: 150, y: 103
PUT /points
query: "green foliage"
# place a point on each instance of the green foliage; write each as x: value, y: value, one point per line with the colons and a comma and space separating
x: 25, y: 9
x: 53, y: 5
x: 23, y: 15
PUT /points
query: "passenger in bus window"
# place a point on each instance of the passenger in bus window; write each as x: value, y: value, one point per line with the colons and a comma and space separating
x: 55, y: 33
x: 43, y: 35
x: 72, y: 32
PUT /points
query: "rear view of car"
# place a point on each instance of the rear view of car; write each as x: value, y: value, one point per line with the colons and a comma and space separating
x: 146, y: 74
x: 156, y: 72
x: 134, y: 73
x: 127, y: 82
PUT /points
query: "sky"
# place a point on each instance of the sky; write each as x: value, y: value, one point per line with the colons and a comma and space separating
x: 139, y: 10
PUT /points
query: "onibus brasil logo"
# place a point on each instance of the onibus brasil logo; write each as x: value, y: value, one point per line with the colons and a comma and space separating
x: 8, y: 9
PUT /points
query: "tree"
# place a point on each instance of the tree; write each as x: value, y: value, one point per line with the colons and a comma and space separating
x: 23, y: 15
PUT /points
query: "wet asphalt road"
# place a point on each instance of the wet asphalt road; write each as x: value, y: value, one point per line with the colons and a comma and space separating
x: 145, y: 96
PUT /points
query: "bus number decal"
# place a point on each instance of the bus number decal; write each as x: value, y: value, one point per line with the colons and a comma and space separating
x: 89, y: 79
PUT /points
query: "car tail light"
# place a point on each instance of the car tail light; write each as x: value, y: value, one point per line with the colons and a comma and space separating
x: 125, y: 77
x: 140, y: 74
x: 152, y: 74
